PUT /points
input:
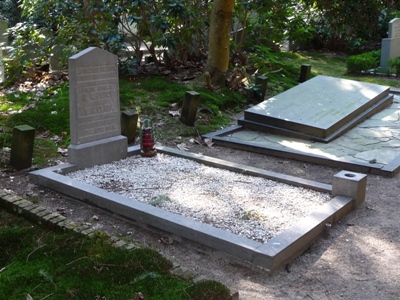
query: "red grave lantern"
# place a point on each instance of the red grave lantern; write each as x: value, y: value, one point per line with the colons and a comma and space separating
x: 146, y: 139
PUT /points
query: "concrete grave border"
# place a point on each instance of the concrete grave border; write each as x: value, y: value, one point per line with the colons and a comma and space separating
x: 348, y: 192
x: 219, y: 138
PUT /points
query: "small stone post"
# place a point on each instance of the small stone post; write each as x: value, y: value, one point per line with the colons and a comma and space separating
x: 350, y: 184
x: 167, y: 58
x: 263, y: 82
x: 305, y: 73
x: 22, y: 147
x: 189, y: 108
x: 129, y: 120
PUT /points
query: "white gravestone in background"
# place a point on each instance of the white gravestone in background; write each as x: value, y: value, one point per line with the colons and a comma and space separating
x: 95, y: 117
x: 4, y: 42
x: 390, y: 47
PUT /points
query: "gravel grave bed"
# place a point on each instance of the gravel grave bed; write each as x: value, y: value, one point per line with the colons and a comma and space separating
x: 249, y: 206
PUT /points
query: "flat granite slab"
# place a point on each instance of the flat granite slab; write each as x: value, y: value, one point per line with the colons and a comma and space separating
x: 320, y: 106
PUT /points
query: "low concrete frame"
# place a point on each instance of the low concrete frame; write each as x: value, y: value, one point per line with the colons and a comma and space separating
x: 220, y: 138
x: 271, y: 255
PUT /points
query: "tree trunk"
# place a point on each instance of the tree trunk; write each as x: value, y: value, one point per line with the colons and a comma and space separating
x: 219, y: 35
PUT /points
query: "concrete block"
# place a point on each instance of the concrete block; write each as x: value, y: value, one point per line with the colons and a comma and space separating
x: 88, y: 231
x: 189, y: 108
x: 350, y: 184
x: 3, y: 193
x: 49, y: 217
x: 37, y: 210
x: 43, y: 213
x: 55, y: 222
x: 263, y: 82
x: 19, y: 206
x: 9, y: 200
x: 22, y: 147
x: 305, y: 73
x: 98, y: 152
x: 129, y: 120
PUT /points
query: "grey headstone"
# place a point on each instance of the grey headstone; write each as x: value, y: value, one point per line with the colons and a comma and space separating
x: 390, y: 47
x: 94, y: 108
x: 57, y: 52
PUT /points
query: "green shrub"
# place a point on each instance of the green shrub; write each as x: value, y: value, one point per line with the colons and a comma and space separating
x: 394, y: 65
x: 357, y: 64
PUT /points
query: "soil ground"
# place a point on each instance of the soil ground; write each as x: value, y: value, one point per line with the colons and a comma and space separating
x: 360, y: 259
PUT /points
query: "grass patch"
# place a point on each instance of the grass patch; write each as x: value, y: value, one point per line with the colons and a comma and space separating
x: 44, y: 152
x: 45, y: 111
x: 44, y: 263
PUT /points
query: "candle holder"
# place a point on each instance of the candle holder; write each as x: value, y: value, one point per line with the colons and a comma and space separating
x: 147, y: 139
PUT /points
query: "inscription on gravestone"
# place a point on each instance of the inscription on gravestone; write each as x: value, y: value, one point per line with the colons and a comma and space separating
x: 94, y: 109
x: 390, y: 47
x: 95, y: 112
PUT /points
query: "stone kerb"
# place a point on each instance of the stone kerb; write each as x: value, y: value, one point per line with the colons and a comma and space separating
x: 390, y: 47
x: 94, y: 109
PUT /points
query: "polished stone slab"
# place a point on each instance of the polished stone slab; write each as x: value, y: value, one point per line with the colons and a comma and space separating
x: 323, y: 107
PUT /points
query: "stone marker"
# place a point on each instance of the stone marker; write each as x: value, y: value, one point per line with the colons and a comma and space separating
x: 305, y: 73
x: 57, y: 53
x: 189, y: 108
x: 4, y: 42
x: 22, y: 147
x: 262, y: 81
x: 95, y: 116
x: 129, y: 120
x: 390, y: 47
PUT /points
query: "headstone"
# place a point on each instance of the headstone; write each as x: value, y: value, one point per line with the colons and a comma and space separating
x: 95, y: 117
x: 189, y: 108
x: 22, y: 147
x: 390, y: 47
x: 55, y: 60
x: 3, y: 42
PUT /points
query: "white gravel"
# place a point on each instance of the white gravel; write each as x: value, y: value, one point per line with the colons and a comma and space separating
x: 250, y: 206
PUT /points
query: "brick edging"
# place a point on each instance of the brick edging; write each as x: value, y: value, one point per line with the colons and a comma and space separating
x: 38, y: 214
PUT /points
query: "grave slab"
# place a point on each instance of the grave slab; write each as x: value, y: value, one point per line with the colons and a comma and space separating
x: 321, y: 108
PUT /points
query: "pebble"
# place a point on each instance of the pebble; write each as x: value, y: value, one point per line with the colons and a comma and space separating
x: 249, y: 206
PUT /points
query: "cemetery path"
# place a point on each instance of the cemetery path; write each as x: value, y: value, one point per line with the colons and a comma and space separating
x: 360, y: 259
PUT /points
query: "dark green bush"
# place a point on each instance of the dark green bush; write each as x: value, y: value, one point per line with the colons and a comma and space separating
x: 208, y: 289
x: 394, y: 65
x: 356, y: 64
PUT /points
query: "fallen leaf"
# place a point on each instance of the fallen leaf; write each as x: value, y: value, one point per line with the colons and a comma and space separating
x: 63, y: 152
x: 208, y: 142
x: 139, y: 296
x: 168, y: 241
x: 174, y: 113
x: 183, y: 147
